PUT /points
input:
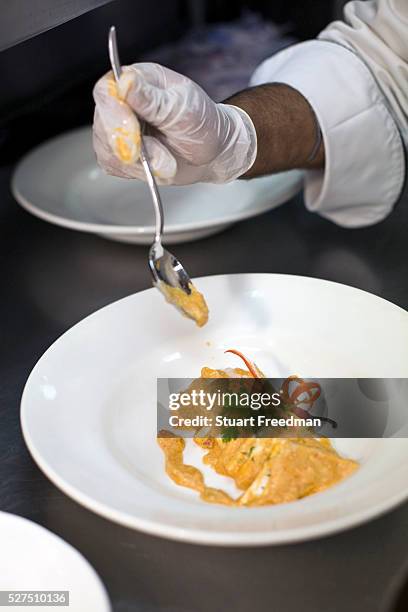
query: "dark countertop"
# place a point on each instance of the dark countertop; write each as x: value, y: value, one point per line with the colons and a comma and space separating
x: 53, y: 277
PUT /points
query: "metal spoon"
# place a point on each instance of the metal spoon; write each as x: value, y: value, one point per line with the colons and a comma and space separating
x: 166, y: 269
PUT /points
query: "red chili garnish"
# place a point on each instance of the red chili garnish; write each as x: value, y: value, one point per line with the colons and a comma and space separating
x: 312, y: 390
x: 308, y: 388
x: 303, y: 414
x: 248, y: 364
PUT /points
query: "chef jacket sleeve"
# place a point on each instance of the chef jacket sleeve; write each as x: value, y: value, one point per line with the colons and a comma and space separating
x: 355, y: 77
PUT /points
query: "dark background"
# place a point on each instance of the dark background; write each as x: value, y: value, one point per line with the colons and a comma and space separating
x: 46, y: 81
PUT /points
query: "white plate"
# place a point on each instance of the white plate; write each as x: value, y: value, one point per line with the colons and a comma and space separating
x: 34, y: 559
x: 89, y: 415
x: 60, y: 182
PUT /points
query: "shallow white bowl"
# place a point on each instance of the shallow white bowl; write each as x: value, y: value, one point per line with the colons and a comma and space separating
x: 60, y: 182
x: 89, y: 415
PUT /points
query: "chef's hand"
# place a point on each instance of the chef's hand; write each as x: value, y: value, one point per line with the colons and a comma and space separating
x: 188, y: 137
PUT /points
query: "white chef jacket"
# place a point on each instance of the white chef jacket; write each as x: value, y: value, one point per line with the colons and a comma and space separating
x: 355, y: 77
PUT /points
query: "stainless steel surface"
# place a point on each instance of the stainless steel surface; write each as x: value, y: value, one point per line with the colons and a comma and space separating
x: 53, y: 277
x: 22, y: 19
x: 164, y: 266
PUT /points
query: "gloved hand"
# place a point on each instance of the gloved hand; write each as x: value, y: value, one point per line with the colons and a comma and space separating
x: 188, y: 137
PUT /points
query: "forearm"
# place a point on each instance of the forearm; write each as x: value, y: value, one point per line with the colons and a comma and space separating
x: 285, y: 126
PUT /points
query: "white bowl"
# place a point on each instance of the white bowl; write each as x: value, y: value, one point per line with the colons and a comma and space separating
x: 89, y: 415
x: 60, y: 182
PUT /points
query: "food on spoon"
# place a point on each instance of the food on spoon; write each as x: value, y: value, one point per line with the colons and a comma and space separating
x: 192, y: 305
x: 267, y: 470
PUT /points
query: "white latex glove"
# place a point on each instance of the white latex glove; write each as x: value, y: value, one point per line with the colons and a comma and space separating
x: 188, y: 137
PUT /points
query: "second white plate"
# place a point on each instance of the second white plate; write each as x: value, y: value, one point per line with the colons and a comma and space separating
x: 34, y: 559
x: 60, y: 182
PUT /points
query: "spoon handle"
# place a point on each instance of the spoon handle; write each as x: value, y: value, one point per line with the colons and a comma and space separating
x: 158, y: 207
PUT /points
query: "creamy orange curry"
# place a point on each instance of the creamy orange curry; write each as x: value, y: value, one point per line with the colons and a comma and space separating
x: 192, y: 305
x: 266, y: 470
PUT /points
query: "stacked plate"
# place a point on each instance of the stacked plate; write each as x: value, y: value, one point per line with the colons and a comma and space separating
x: 60, y: 182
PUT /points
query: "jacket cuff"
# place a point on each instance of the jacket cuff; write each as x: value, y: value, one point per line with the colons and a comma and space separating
x: 365, y: 161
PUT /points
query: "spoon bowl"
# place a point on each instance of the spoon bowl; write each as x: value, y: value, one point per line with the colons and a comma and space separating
x: 166, y: 268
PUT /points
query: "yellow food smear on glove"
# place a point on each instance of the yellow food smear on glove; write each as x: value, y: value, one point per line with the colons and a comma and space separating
x: 126, y: 145
x: 113, y: 89
x: 126, y: 140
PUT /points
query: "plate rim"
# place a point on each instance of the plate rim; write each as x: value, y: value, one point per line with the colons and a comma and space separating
x: 192, y: 535
x: 97, y: 228
x: 215, y: 538
x: 63, y: 544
